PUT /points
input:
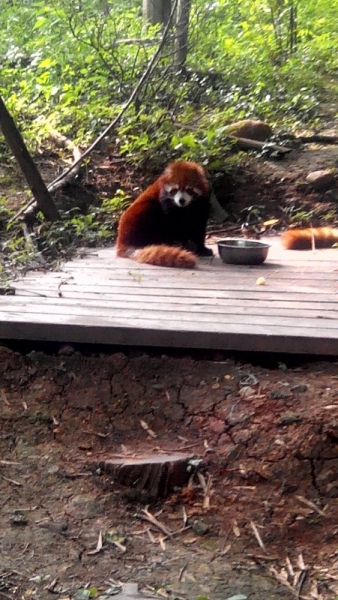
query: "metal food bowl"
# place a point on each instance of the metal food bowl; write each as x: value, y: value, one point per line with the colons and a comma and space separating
x: 238, y: 251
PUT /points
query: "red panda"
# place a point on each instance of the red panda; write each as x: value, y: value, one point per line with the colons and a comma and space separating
x: 305, y: 239
x: 166, y: 224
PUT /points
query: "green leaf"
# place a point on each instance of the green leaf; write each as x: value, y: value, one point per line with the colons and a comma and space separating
x: 39, y: 22
x: 189, y: 140
x: 47, y: 62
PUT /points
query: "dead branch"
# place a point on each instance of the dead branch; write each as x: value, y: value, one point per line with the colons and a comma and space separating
x: 65, y: 143
x: 131, y: 41
x: 319, y: 139
x: 17, y: 145
x: 246, y: 144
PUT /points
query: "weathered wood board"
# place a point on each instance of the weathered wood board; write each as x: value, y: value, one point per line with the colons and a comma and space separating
x: 103, y: 299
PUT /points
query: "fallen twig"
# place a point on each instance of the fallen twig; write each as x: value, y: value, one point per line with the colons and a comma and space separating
x: 99, y: 545
x: 301, y: 582
x: 11, y: 480
x: 261, y: 557
x: 118, y: 545
x: 180, y: 575
x: 245, y: 143
x: 257, y: 535
x: 146, y: 428
x: 147, y: 516
x: 311, y: 505
x: 281, y: 579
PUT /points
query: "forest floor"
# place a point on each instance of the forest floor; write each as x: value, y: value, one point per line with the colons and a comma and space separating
x: 261, y: 520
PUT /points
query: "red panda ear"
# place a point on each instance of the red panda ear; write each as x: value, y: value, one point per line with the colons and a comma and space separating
x: 190, y: 168
x: 203, y: 176
x: 168, y: 170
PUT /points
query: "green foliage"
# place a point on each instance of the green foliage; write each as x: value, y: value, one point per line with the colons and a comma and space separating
x: 74, y: 65
x: 67, y: 63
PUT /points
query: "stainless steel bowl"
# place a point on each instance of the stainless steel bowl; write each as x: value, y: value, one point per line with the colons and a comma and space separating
x: 239, y: 251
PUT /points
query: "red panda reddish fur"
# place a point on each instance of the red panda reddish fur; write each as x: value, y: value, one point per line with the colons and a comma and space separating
x: 305, y: 239
x: 159, y: 255
x: 156, y: 229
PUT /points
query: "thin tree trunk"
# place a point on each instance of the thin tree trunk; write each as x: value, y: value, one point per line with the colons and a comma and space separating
x: 156, y: 11
x: 293, y: 28
x: 17, y: 145
x: 182, y: 32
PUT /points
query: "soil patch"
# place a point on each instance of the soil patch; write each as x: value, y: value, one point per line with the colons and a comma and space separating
x: 260, y: 519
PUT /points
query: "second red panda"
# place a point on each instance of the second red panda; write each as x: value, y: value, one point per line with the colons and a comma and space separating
x: 305, y: 239
x: 166, y: 224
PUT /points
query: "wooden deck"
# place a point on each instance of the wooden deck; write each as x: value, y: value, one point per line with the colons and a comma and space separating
x: 102, y: 299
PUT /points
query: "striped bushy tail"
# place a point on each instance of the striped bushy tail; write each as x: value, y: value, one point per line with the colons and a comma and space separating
x: 305, y: 239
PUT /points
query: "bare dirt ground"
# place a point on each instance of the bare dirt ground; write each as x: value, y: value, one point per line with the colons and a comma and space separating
x: 261, y: 522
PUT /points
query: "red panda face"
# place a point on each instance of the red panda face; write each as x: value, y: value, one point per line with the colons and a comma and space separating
x: 183, y: 181
x: 180, y: 197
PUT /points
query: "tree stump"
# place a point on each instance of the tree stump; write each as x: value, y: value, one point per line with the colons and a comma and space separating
x: 151, y: 476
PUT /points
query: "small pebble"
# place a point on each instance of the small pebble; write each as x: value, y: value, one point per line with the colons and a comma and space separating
x: 19, y: 520
x: 200, y: 528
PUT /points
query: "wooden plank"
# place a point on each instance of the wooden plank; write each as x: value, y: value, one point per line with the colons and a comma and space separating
x: 101, y: 273
x: 144, y: 322
x: 163, y: 307
x: 263, y: 292
x: 138, y: 279
x: 213, y: 305
x: 202, y: 296
x: 256, y: 339
x: 285, y: 270
x: 178, y: 318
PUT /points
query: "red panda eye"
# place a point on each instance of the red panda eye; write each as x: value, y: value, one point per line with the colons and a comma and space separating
x: 174, y: 189
x: 190, y: 191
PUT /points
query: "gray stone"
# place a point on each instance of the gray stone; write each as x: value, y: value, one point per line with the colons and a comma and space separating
x: 321, y: 180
